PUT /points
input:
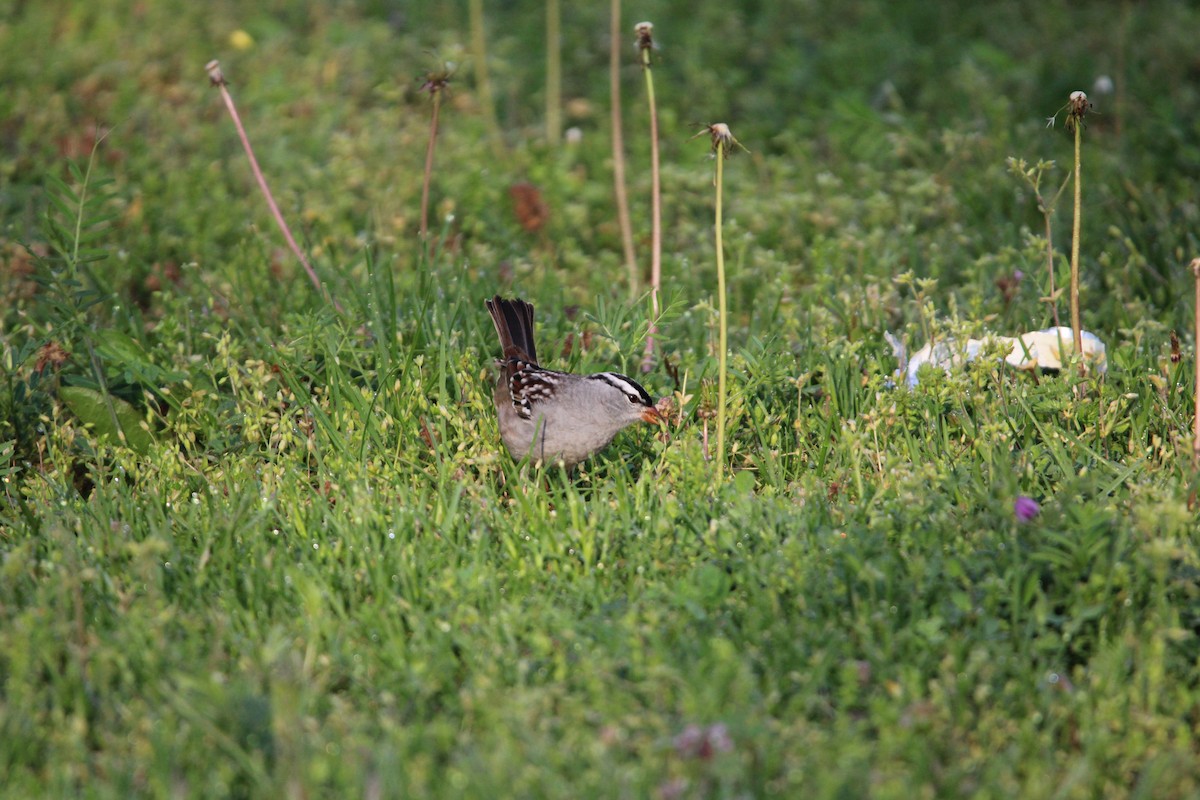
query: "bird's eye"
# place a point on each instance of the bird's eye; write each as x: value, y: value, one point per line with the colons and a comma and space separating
x: 633, y: 398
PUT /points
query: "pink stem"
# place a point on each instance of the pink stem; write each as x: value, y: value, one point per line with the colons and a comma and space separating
x: 218, y: 80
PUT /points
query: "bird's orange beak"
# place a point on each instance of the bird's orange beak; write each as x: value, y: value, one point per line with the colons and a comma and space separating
x: 652, y: 416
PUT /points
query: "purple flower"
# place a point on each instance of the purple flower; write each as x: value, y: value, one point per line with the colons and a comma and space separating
x: 718, y: 737
x: 1025, y: 508
x: 689, y: 741
x: 703, y: 743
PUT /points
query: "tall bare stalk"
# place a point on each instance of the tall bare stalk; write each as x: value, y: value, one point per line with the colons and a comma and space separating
x: 645, y: 42
x: 723, y: 143
x: 1077, y: 107
x: 435, y: 84
x: 618, y: 148
x: 218, y: 80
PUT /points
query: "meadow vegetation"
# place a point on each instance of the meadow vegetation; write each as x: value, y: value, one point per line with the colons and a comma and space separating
x: 253, y: 546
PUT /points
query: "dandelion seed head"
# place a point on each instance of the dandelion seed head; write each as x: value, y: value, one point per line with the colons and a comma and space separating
x: 645, y: 35
x: 213, y: 68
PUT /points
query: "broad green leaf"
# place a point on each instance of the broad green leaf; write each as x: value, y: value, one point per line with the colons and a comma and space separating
x: 121, y: 423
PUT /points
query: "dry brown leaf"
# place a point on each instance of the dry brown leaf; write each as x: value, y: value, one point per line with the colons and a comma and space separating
x: 531, y: 210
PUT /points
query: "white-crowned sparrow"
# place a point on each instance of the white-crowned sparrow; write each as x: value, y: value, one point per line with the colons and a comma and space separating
x: 551, y: 415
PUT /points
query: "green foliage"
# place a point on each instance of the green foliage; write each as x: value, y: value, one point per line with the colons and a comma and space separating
x: 251, y: 547
x: 111, y: 418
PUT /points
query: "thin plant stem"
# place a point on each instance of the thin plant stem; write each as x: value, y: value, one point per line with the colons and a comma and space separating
x: 1047, y: 212
x: 646, y: 43
x: 1196, y: 417
x: 1050, y: 270
x: 73, y: 270
x: 482, y: 77
x: 618, y: 148
x: 553, y: 72
x: 1075, y: 323
x: 218, y: 79
x: 1077, y: 106
x: 723, y: 142
x: 73, y: 262
x: 723, y: 320
x: 433, y: 132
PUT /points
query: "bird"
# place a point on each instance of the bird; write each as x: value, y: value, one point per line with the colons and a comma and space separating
x: 552, y: 416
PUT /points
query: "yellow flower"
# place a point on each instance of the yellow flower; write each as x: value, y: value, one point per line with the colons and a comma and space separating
x: 240, y: 40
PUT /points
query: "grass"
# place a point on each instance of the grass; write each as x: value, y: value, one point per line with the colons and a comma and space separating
x: 315, y: 572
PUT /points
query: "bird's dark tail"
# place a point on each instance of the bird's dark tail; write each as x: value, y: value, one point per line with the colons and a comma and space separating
x: 514, y: 325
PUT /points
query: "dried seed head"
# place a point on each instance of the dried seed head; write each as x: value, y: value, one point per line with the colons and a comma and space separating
x: 645, y: 35
x: 213, y: 68
x: 439, y: 79
x: 1195, y: 265
x: 722, y: 138
x: 1077, y: 106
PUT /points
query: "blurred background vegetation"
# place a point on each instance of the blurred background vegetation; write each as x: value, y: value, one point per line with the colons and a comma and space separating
x: 879, y: 130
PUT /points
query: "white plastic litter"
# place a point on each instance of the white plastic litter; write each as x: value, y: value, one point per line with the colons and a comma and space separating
x: 1043, y: 349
